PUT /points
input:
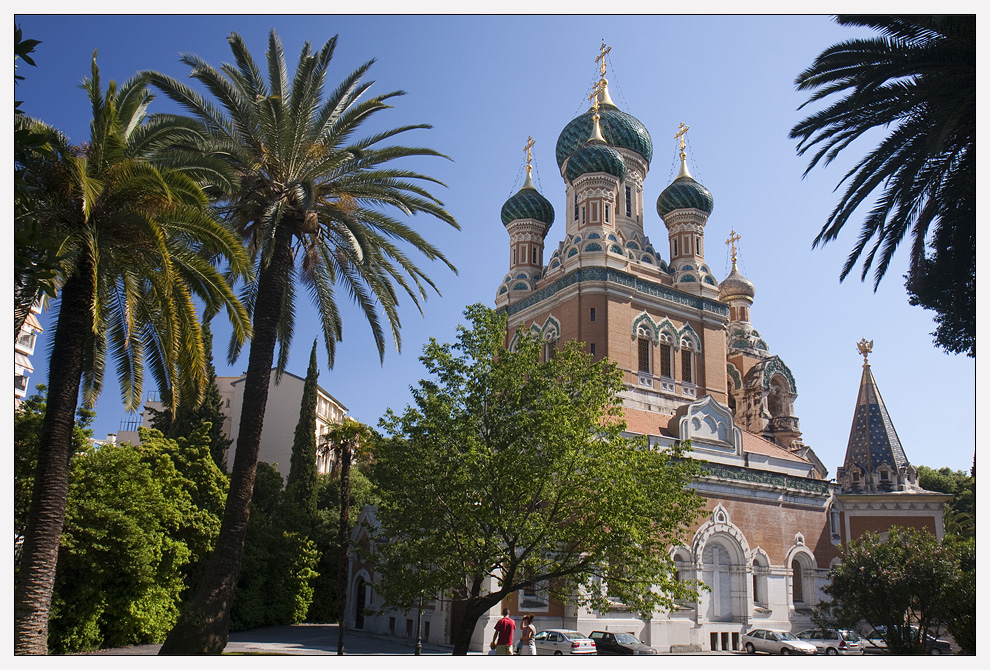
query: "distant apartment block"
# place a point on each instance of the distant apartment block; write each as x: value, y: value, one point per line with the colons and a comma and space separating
x: 27, y: 340
x: 281, y: 417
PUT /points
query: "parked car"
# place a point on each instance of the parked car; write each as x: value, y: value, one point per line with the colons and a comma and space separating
x: 619, y: 644
x: 934, y: 646
x: 775, y: 642
x: 553, y: 642
x: 832, y: 642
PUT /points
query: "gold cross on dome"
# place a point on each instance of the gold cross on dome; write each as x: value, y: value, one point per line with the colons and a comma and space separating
x: 594, y: 96
x: 679, y: 135
x: 733, y: 238
x: 529, y: 154
x: 865, y: 348
x: 601, y: 59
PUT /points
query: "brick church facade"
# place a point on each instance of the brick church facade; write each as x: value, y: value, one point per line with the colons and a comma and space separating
x: 694, y: 367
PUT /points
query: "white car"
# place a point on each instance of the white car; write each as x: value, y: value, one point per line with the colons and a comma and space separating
x: 556, y: 642
x: 775, y: 642
x: 832, y: 642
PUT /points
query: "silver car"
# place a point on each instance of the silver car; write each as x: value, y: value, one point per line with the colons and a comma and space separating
x: 775, y: 642
x: 833, y: 642
x: 557, y: 642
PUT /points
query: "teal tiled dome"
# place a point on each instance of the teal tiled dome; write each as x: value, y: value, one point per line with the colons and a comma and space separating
x: 595, y: 157
x: 527, y: 203
x: 618, y: 128
x: 685, y: 193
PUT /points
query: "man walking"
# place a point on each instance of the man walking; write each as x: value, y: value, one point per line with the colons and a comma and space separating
x: 502, y: 640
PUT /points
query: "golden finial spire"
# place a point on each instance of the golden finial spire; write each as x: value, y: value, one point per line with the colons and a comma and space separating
x: 596, y: 131
x: 529, y: 162
x: 733, y: 238
x: 865, y: 348
x: 679, y: 135
x: 601, y: 91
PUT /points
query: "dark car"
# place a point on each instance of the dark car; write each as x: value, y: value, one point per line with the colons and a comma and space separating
x: 934, y: 646
x: 619, y: 644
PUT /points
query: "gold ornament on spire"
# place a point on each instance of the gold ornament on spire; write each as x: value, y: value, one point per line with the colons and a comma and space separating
x: 865, y: 348
x: 601, y: 59
x: 596, y: 131
x: 529, y: 155
x: 733, y: 238
x: 679, y: 135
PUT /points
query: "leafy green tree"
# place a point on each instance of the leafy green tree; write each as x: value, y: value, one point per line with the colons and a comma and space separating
x: 960, y: 615
x: 918, y: 80
x: 513, y: 469
x: 907, y: 579
x: 139, y: 519
x: 28, y: 420
x: 301, y: 486
x: 960, y: 514
x: 307, y: 190
x: 137, y: 239
x: 276, y: 585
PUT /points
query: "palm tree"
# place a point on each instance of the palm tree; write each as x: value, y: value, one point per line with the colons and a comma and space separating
x: 136, y: 240
x: 919, y: 80
x: 312, y: 206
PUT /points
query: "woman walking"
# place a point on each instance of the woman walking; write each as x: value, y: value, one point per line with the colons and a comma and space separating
x: 528, y: 637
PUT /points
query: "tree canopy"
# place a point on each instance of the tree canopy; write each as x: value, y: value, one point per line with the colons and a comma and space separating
x: 917, y: 81
x: 906, y: 585
x: 513, y: 471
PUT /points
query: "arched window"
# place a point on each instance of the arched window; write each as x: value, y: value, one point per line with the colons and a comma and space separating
x: 645, y: 343
x: 760, y: 571
x: 687, y: 361
x: 549, y: 345
x: 666, y: 356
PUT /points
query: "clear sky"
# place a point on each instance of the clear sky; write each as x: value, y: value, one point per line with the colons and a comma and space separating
x: 486, y: 83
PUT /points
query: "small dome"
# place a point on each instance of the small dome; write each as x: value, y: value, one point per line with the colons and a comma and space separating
x: 736, y: 286
x: 685, y: 193
x: 527, y: 203
x: 595, y: 157
x: 618, y: 128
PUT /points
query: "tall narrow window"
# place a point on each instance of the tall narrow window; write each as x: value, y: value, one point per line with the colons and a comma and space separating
x: 798, y: 580
x: 628, y: 201
x: 592, y: 348
x: 592, y: 313
x: 674, y: 254
x: 515, y: 255
x: 687, y: 365
x: 582, y: 216
x: 608, y: 212
x: 534, y: 255
x: 665, y: 360
x: 575, y: 207
x: 644, y: 354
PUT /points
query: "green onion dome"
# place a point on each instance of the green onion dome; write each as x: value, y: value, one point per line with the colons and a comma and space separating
x: 685, y: 193
x: 618, y: 128
x: 527, y: 203
x: 595, y: 157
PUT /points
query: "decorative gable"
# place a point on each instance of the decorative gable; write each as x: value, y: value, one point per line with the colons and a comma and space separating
x: 708, y: 424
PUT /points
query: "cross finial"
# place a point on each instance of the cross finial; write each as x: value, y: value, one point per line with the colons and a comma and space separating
x: 529, y: 154
x: 679, y: 135
x: 596, y: 130
x: 733, y: 238
x: 594, y: 96
x: 865, y: 348
x: 601, y: 59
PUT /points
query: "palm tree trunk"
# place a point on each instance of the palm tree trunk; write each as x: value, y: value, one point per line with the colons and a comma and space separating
x: 204, y: 624
x: 343, y: 539
x: 46, y: 516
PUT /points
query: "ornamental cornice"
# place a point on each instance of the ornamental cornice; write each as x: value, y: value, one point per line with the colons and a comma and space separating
x: 776, y: 479
x: 638, y: 284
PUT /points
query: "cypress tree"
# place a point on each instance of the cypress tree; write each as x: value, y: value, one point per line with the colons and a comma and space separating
x: 301, y: 485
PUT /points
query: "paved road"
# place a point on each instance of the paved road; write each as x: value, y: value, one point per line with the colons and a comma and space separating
x: 301, y: 640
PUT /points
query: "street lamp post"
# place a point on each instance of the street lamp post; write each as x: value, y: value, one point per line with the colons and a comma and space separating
x: 419, y: 629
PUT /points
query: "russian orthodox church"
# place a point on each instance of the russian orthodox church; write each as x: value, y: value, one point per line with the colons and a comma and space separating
x: 694, y: 367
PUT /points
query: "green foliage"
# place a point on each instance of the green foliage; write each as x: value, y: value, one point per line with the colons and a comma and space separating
x: 960, y: 514
x: 139, y: 520
x: 916, y: 80
x: 301, y: 485
x: 27, y: 434
x: 515, y: 468
x: 279, y: 565
x: 190, y: 413
x: 907, y: 579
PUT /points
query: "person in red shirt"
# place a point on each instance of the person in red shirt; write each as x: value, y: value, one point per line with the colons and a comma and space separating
x: 502, y: 640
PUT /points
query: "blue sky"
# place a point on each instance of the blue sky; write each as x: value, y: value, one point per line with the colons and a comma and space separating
x: 486, y: 83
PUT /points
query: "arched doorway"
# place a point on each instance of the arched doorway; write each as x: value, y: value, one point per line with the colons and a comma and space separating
x: 360, y: 604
